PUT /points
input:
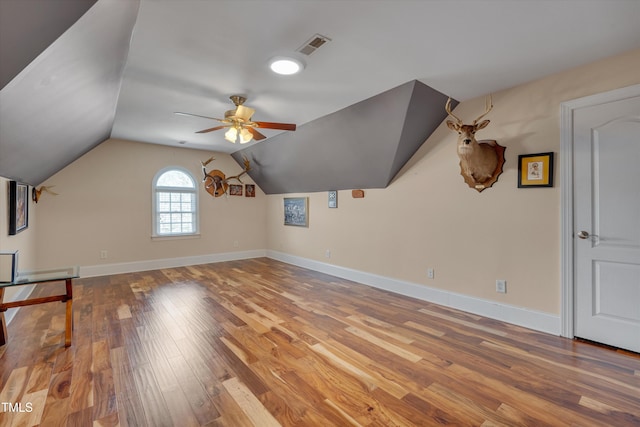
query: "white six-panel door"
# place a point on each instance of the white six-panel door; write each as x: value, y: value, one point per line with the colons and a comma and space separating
x: 606, y: 191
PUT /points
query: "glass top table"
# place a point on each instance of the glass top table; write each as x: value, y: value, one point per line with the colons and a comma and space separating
x: 37, y: 277
x: 41, y: 276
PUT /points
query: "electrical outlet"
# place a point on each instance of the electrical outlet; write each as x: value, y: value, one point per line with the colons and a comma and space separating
x: 431, y: 273
x: 327, y: 253
x: 103, y: 254
x: 236, y: 244
x: 501, y: 286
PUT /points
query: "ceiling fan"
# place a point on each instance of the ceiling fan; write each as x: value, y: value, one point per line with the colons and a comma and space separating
x: 238, y: 120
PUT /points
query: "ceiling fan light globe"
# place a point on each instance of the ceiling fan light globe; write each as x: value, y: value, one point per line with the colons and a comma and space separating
x: 285, y: 66
x: 231, y: 135
x: 245, y: 136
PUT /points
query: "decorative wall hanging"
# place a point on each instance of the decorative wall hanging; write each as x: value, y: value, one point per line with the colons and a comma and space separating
x: 235, y: 190
x: 215, y: 181
x: 37, y: 192
x: 296, y: 211
x: 250, y: 190
x: 333, y: 199
x: 480, y: 161
x: 535, y: 170
x: 18, y: 207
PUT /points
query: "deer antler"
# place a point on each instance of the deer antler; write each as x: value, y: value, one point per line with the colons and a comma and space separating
x: 488, y: 107
x: 246, y: 169
x: 447, y: 107
x: 209, y: 160
x: 204, y: 167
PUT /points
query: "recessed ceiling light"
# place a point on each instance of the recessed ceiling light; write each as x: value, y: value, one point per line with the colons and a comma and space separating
x: 286, y: 65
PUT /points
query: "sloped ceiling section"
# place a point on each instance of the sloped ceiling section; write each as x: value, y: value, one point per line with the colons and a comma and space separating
x: 63, y: 103
x: 33, y: 25
x: 361, y: 146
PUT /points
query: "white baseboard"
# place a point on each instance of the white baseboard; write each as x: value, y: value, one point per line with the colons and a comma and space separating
x: 536, y: 320
x: 532, y: 319
x: 157, y: 264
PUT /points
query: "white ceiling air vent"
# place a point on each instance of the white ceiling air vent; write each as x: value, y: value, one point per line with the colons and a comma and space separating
x: 313, y: 44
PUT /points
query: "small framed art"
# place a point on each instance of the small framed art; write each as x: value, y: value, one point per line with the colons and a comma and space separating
x: 535, y: 170
x: 235, y: 190
x: 333, y: 199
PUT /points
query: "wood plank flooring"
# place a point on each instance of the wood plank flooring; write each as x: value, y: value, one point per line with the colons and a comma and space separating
x: 263, y: 343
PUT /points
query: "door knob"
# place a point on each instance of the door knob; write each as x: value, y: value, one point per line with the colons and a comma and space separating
x: 583, y: 234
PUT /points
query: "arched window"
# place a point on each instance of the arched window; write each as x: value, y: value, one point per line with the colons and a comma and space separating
x: 175, y: 203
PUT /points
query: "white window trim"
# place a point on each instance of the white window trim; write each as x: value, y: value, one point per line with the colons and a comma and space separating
x: 155, y: 235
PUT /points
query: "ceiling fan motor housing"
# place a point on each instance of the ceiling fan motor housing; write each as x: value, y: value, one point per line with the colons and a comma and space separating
x: 238, y: 99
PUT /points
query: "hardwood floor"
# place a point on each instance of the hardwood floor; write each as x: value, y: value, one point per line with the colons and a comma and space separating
x: 263, y: 343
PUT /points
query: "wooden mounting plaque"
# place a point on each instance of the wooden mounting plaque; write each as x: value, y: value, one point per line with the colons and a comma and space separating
x: 214, y: 183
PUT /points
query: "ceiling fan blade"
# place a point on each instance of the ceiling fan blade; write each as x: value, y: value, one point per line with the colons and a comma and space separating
x: 213, y: 128
x: 279, y: 126
x: 197, y: 115
x: 244, y: 113
x: 256, y: 135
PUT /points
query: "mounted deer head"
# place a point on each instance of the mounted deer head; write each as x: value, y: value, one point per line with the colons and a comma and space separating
x: 480, y: 161
x: 215, y: 181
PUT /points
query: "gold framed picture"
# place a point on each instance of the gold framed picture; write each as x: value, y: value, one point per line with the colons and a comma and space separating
x: 535, y: 170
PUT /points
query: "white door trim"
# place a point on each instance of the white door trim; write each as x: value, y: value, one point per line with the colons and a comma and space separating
x: 567, y: 267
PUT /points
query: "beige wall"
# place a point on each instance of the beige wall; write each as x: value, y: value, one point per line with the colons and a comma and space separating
x: 104, y: 203
x: 428, y: 217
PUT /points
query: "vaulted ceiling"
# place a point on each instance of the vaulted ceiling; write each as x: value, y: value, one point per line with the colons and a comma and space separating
x: 77, y: 72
